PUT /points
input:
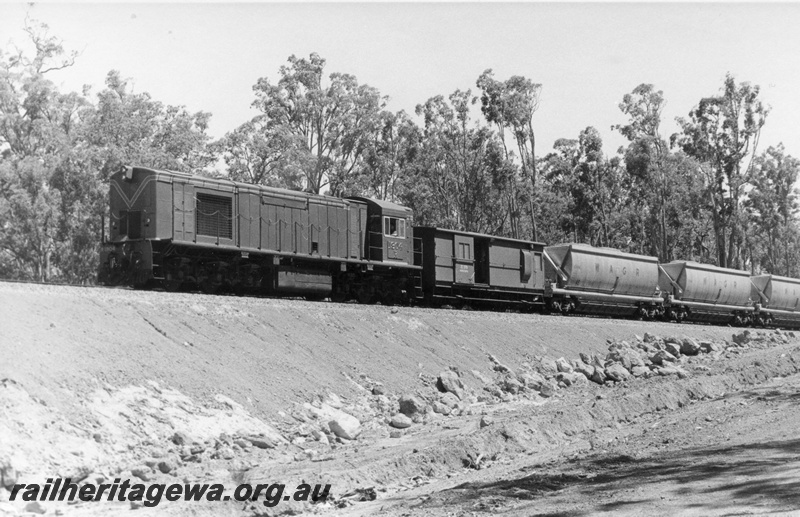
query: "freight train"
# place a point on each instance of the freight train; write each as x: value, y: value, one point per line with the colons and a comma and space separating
x: 178, y: 231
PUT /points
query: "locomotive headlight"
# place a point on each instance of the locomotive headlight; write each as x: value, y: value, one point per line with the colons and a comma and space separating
x: 147, y: 222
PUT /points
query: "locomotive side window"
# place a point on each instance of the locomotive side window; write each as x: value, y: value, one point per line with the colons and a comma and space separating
x: 394, y: 227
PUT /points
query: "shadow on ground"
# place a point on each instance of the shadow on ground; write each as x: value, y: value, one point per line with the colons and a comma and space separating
x: 755, y: 474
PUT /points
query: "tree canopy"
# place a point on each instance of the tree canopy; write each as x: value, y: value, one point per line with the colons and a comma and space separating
x: 464, y: 160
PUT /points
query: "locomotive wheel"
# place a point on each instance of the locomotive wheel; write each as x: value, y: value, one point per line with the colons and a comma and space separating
x: 393, y: 295
x: 339, y: 296
x: 365, y: 295
x: 209, y: 287
x: 171, y: 285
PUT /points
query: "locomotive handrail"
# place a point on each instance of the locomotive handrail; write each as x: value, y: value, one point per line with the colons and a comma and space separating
x: 338, y: 233
x: 216, y: 212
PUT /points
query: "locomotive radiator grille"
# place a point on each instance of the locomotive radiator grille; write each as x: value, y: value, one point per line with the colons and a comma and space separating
x: 214, y: 216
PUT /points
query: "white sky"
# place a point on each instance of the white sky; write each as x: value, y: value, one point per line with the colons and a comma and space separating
x: 587, y: 56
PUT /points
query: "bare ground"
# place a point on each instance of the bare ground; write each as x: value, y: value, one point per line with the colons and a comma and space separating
x: 98, y: 381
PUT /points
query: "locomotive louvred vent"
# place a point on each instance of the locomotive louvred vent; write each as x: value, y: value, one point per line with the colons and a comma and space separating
x: 214, y: 216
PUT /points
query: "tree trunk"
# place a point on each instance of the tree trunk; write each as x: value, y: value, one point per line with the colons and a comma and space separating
x: 719, y: 232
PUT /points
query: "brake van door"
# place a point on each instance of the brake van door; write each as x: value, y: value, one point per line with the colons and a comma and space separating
x: 463, y: 259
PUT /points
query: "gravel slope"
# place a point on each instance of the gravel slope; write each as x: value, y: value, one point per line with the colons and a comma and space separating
x: 98, y: 383
x: 267, y: 353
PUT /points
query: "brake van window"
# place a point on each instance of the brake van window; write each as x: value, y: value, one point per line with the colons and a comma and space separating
x: 394, y: 227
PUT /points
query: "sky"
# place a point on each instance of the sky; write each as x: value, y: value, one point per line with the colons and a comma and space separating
x: 587, y: 56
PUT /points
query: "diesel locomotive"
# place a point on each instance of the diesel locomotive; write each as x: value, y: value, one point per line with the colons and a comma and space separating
x: 179, y: 231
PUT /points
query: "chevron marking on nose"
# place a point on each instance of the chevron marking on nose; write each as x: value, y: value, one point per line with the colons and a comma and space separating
x: 130, y: 201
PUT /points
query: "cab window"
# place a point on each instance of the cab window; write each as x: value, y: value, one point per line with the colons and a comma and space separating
x: 394, y: 227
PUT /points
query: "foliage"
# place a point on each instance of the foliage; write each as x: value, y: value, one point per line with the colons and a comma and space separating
x: 722, y: 134
x: 664, y: 189
x: 459, y: 173
x: 127, y: 128
x: 389, y: 153
x: 773, y: 204
x: 58, y: 151
x: 510, y: 106
x: 326, y: 127
x: 255, y: 153
x: 707, y: 195
x: 589, y: 191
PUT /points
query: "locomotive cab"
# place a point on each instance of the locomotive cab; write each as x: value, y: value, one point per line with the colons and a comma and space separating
x: 389, y: 235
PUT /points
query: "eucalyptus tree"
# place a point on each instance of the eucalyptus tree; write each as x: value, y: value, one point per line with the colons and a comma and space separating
x: 133, y: 128
x: 327, y: 123
x: 722, y: 133
x: 510, y: 105
x: 389, y: 154
x: 459, y: 174
x: 664, y: 188
x: 38, y: 126
x: 262, y: 155
x: 772, y: 202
